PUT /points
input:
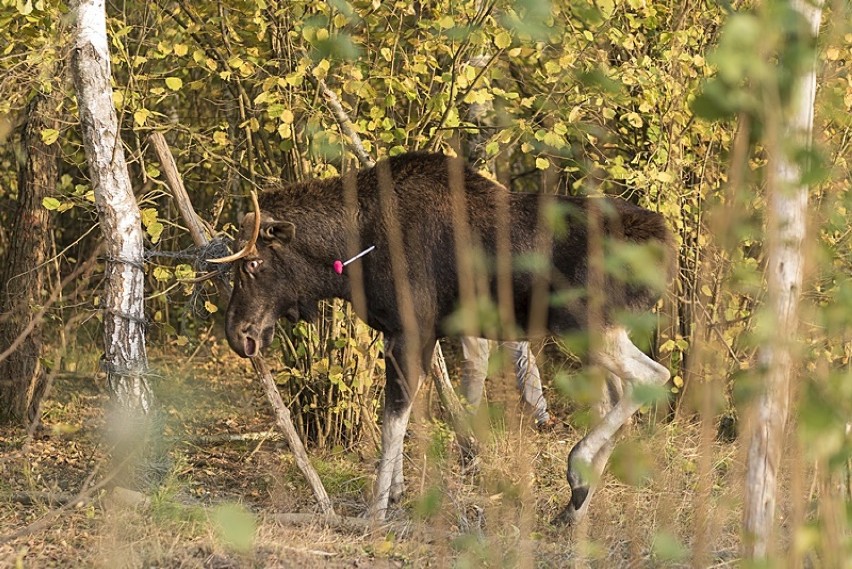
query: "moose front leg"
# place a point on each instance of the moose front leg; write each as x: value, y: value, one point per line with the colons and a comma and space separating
x: 399, y: 396
x: 587, y: 460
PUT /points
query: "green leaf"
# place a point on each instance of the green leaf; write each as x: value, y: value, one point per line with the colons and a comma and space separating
x: 235, y: 526
x: 667, y: 547
x: 174, y: 83
x: 50, y: 203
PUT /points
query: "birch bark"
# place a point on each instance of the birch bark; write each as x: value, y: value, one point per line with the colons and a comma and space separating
x: 786, y: 228
x: 125, y: 359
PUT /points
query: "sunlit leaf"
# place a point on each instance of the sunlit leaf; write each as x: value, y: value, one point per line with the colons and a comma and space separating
x: 174, y: 83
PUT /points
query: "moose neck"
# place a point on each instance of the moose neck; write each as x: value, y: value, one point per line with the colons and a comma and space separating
x: 328, y: 238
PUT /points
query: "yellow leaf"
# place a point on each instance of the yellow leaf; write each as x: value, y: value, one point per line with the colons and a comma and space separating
x: 50, y: 203
x: 220, y: 138
x: 634, y: 119
x: 25, y: 8
x: 321, y: 69
x: 503, y: 39
x: 181, y: 49
x: 542, y: 163
x: 210, y: 307
x: 574, y: 115
x: 606, y: 7
x: 162, y: 274
x: 140, y: 116
x: 148, y: 215
x: 154, y: 231
x: 287, y: 116
x: 174, y: 83
x: 49, y: 136
x: 665, y: 177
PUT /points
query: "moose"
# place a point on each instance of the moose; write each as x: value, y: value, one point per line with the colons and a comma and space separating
x: 447, y: 241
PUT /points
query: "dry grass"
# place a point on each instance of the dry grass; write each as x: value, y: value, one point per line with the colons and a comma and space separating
x: 497, y: 516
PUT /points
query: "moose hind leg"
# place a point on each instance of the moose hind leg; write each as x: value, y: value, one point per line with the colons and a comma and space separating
x: 587, y: 460
x: 584, y: 488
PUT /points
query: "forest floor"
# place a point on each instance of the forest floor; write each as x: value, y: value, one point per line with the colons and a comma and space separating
x: 226, y: 503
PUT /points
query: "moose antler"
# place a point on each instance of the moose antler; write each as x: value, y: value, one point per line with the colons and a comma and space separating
x: 249, y: 247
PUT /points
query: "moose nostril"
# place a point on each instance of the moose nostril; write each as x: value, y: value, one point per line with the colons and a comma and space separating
x: 250, y: 346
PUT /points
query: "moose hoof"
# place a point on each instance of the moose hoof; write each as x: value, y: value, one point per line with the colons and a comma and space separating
x: 567, y: 517
x: 575, y: 510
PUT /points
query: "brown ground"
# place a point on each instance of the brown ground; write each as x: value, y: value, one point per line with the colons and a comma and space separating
x: 220, y: 494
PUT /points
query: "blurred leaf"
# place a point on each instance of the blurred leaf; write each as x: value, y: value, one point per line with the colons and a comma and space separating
x: 235, y: 527
x: 667, y: 547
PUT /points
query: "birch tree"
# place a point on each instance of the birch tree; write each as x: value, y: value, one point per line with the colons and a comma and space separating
x: 125, y: 358
x: 786, y: 228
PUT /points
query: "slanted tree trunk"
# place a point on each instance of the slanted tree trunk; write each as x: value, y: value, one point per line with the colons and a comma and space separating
x: 22, y: 380
x: 125, y: 358
x: 787, y: 214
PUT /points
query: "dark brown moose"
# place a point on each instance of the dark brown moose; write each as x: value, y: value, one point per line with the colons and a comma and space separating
x: 449, y: 242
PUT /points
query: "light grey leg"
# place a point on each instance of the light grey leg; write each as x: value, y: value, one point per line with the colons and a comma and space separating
x: 397, y: 488
x: 588, y: 457
x: 389, y: 478
x: 399, y: 396
x: 474, y: 369
x: 528, y: 378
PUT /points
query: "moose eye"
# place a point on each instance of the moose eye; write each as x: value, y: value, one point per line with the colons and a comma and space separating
x: 252, y: 266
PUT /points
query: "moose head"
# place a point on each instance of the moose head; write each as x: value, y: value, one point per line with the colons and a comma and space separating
x: 265, y: 271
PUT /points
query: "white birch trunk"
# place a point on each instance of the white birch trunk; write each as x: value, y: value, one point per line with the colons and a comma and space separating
x: 125, y: 358
x: 786, y: 229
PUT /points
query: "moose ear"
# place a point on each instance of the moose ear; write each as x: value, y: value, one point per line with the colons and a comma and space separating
x: 281, y: 231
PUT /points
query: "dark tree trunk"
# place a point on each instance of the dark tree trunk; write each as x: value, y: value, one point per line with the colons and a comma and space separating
x: 22, y: 380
